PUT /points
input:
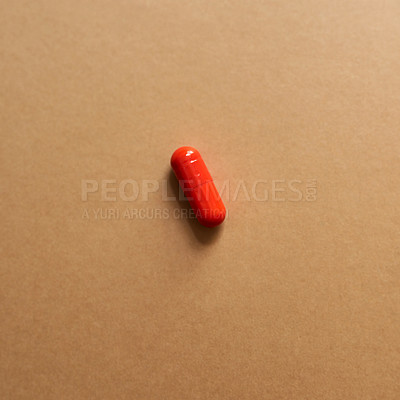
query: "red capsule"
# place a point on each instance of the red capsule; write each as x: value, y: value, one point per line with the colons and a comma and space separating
x: 198, y: 186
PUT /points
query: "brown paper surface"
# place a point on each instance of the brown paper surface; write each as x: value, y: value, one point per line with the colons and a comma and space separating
x: 109, y: 290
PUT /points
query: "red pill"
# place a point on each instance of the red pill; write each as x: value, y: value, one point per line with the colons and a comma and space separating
x: 198, y: 186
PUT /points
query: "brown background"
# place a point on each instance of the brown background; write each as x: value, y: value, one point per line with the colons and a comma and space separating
x: 287, y: 300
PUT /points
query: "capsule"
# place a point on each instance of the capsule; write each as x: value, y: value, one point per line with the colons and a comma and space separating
x: 198, y: 186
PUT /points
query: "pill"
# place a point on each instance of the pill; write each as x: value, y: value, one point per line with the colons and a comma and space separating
x: 198, y: 186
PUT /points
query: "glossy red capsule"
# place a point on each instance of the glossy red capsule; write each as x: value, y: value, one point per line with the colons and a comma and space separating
x: 198, y: 186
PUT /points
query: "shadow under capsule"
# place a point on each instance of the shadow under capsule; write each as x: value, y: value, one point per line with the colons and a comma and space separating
x: 203, y: 234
